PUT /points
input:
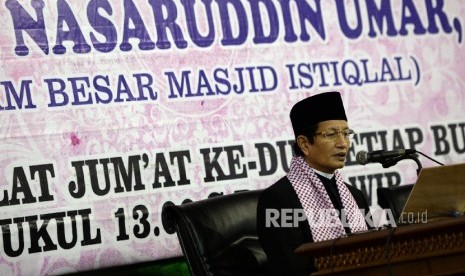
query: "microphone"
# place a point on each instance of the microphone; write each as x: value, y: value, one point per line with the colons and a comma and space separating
x: 380, y: 156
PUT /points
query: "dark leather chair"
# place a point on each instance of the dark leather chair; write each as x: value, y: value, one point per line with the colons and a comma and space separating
x: 218, y: 236
x: 394, y: 198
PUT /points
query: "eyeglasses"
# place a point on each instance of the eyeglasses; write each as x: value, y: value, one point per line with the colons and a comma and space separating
x: 333, y: 134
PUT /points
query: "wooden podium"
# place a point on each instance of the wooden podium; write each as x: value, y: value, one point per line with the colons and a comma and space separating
x: 433, y: 248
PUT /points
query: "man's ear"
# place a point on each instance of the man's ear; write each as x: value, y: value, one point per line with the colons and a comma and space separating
x: 303, y: 143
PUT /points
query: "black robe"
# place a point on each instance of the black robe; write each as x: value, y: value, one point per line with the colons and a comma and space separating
x: 279, y: 243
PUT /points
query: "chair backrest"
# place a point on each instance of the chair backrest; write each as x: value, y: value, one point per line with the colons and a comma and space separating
x: 394, y: 198
x: 218, y: 235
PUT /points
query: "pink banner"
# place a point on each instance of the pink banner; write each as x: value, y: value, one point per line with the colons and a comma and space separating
x: 111, y: 109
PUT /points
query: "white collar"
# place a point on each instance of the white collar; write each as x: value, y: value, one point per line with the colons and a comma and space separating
x: 327, y: 175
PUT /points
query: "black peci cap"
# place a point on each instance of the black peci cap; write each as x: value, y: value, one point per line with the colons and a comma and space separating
x: 314, y: 109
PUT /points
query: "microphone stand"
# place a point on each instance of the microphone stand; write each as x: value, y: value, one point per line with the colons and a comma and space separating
x: 392, y: 161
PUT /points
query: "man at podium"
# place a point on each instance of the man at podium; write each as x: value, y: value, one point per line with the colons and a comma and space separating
x: 312, y: 202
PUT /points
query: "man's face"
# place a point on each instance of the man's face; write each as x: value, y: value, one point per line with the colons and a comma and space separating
x: 328, y: 152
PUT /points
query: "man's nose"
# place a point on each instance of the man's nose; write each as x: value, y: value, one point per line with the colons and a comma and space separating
x: 341, y: 140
